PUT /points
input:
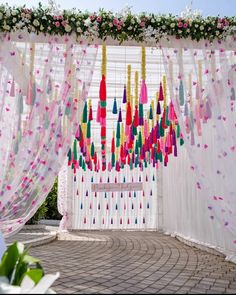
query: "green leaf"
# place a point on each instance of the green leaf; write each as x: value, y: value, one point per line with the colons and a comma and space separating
x: 30, y: 260
x: 35, y: 274
x: 10, y: 259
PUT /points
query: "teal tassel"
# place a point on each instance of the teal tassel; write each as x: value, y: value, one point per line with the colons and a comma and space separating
x: 181, y: 93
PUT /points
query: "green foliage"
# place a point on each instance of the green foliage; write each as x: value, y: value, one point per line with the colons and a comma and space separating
x: 16, y: 264
x: 48, y: 209
x: 52, y: 212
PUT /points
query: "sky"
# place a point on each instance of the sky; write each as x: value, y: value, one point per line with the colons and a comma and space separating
x: 207, y: 7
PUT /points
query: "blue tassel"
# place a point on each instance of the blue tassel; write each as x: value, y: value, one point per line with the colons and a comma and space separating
x: 81, y: 206
x: 114, y: 109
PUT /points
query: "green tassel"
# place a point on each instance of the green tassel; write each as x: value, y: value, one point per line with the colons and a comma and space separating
x: 114, y: 109
x: 136, y: 147
x: 162, y: 130
x: 167, y: 120
x: 117, y: 142
x: 140, y: 139
x: 92, y: 150
x: 150, y: 113
x: 85, y: 113
x: 113, y: 160
x: 178, y: 131
x: 181, y: 141
x: 84, y: 166
x: 118, y: 130
x: 81, y: 161
x: 69, y: 155
x: 134, y: 130
x: 181, y: 93
x: 131, y: 165
x: 75, y: 150
x: 124, y: 179
x: 88, y: 129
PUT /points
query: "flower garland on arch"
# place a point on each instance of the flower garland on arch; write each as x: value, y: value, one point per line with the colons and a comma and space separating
x: 121, y: 26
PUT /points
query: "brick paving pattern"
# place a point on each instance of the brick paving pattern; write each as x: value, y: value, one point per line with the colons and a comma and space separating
x: 134, y: 263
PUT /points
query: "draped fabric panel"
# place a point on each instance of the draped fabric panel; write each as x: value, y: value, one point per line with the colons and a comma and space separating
x: 85, y: 208
x: 202, y: 84
x: 43, y: 86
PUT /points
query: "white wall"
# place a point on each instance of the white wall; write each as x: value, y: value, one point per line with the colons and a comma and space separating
x: 185, y: 210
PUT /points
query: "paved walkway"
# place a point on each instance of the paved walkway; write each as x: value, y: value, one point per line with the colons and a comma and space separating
x: 133, y: 262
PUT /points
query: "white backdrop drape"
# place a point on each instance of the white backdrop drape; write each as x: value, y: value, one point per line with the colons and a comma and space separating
x: 42, y: 89
x: 202, y: 84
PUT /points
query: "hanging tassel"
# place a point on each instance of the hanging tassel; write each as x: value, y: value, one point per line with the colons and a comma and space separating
x: 102, y: 90
x: 143, y: 94
x: 124, y: 95
x: 232, y: 97
x: 85, y: 113
x: 141, y: 117
x: 128, y: 115
x: 120, y: 116
x: 114, y: 109
x: 161, y: 95
x: 90, y: 113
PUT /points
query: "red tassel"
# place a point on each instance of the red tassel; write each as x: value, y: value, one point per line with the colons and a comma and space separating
x: 90, y: 114
x: 103, y: 112
x: 161, y: 96
x: 103, y: 131
x: 103, y: 91
x: 128, y: 115
x: 113, y: 145
x: 136, y: 119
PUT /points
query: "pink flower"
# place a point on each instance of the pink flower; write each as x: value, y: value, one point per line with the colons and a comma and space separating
x: 99, y: 19
x: 119, y: 27
x: 92, y: 17
x: 57, y: 24
x: 115, y: 22
x: 121, y: 22
x: 142, y: 24
x: 185, y: 25
x: 64, y: 23
x: 180, y: 24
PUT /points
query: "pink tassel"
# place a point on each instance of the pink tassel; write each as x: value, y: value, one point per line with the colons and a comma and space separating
x: 143, y: 95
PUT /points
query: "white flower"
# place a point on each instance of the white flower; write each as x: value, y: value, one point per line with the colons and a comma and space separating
x: 164, y: 27
x: 110, y: 25
x: 217, y: 33
x: 44, y: 17
x: 36, y: 23
x: 72, y: 19
x: 188, y: 30
x: 8, y: 13
x: 27, y: 15
x: 201, y: 28
x: 41, y: 28
x: 196, y: 26
x: 49, y: 28
x: 13, y: 12
x: 129, y: 28
x: 172, y: 25
x: 87, y: 22
x: 79, y: 30
x: 78, y: 24
x: 6, y: 27
x: 67, y: 28
x: 180, y: 31
x: 1, y: 15
x: 14, y: 19
x: 132, y: 21
x: 33, y: 29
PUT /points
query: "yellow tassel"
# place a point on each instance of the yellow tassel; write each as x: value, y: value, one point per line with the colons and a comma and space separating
x: 104, y: 60
x: 143, y: 63
x: 122, y: 133
x: 136, y: 88
x: 128, y: 82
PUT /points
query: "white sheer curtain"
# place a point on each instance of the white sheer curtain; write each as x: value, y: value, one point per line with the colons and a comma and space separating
x: 202, y: 84
x: 44, y: 81
x: 85, y: 209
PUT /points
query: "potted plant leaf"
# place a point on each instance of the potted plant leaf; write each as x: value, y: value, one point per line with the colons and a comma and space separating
x: 21, y: 273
